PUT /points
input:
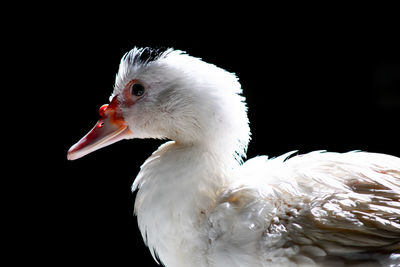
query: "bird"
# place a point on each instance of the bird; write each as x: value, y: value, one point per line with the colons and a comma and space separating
x: 199, y: 201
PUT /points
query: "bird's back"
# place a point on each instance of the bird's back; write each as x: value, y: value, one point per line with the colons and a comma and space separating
x: 319, y: 208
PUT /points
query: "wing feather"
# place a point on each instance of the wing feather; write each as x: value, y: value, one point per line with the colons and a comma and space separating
x: 314, y: 208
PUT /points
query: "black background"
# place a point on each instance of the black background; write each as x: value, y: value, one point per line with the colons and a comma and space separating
x: 313, y: 81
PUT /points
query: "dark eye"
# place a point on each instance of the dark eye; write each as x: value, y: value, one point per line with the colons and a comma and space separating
x: 137, y: 89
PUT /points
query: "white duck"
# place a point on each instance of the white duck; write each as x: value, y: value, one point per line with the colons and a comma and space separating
x: 198, y: 205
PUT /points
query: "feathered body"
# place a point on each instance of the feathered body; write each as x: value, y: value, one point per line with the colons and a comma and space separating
x: 317, y: 208
x: 199, y: 205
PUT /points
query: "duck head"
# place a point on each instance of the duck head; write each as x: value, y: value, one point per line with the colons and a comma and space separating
x: 167, y: 94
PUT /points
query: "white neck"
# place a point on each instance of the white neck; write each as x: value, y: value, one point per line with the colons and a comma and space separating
x: 182, y: 180
x: 177, y: 185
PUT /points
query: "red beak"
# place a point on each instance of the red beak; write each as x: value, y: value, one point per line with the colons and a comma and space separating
x: 109, y: 129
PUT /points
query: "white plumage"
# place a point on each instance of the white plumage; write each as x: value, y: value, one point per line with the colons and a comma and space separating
x: 199, y: 205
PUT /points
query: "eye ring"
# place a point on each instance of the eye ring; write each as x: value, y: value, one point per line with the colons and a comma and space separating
x: 137, y: 89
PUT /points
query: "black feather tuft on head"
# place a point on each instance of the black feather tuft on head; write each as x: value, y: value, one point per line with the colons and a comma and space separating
x: 143, y: 56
